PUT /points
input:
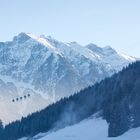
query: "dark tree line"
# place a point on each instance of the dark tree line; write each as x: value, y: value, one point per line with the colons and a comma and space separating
x: 1, y: 128
x: 118, y: 97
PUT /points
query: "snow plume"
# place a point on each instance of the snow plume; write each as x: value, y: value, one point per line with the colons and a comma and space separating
x: 67, y: 117
x: 72, y: 113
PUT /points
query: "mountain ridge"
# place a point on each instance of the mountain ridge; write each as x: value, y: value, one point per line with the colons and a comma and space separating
x: 49, y: 70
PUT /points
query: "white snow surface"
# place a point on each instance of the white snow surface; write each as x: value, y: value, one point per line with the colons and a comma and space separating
x: 89, y: 129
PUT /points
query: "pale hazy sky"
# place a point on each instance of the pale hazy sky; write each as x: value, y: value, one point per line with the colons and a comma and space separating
x: 103, y: 22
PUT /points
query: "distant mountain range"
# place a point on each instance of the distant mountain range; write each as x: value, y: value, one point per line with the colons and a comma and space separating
x: 36, y: 71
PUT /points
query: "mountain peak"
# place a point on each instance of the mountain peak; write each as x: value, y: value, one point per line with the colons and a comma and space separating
x: 94, y: 47
x: 22, y: 37
x: 108, y: 48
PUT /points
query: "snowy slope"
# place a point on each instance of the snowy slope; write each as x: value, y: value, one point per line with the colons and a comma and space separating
x: 36, y: 71
x: 90, y: 129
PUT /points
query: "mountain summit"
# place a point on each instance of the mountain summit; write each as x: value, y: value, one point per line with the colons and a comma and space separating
x: 36, y: 71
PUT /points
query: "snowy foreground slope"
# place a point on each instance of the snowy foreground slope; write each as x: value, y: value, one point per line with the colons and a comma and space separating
x: 90, y: 129
x: 36, y: 71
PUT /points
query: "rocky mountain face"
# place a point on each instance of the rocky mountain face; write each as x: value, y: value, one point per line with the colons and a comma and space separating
x: 36, y: 71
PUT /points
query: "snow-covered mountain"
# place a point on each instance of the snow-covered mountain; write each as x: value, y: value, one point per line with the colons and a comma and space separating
x: 36, y: 71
